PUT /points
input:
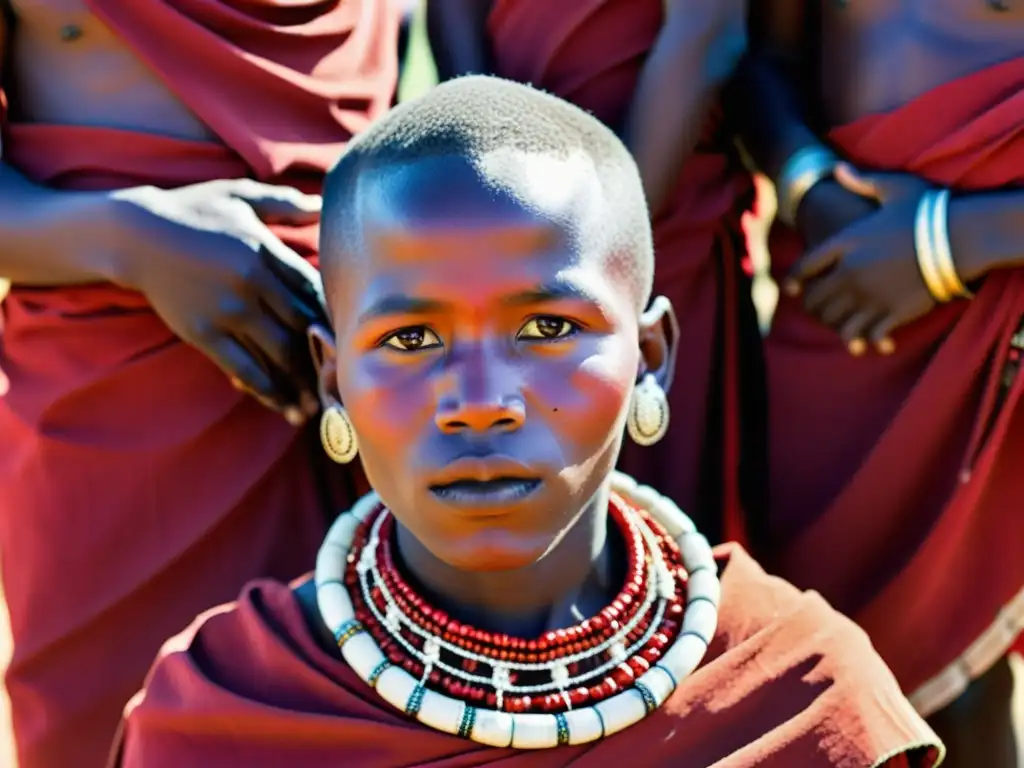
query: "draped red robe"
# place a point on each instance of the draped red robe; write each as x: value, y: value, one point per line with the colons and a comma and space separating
x: 896, y: 481
x: 787, y: 682
x: 591, y: 52
x: 137, y: 488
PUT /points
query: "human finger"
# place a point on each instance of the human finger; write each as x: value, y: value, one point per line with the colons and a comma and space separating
x: 277, y: 204
x: 880, y: 335
x: 817, y: 261
x: 823, y: 291
x: 854, y: 330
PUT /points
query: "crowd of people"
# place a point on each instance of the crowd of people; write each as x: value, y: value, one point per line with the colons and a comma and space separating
x: 445, y: 433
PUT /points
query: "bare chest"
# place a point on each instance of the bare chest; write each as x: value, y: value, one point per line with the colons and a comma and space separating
x: 876, y: 55
x: 67, y: 66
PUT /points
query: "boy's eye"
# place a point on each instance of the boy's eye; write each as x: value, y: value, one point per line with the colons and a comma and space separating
x: 413, y: 339
x: 548, y: 327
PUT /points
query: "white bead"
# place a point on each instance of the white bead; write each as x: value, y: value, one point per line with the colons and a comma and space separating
x: 704, y: 585
x: 335, y: 604
x: 646, y: 497
x: 659, y: 683
x: 362, y: 508
x: 675, y: 522
x: 666, y: 585
x: 622, y: 483
x: 560, y: 675
x: 331, y: 562
x: 696, y: 552
x: 621, y: 711
x: 534, y: 731
x: 441, y: 712
x: 701, y: 618
x: 393, y: 618
x: 618, y: 652
x: 367, y: 559
x: 501, y: 677
x: 343, y: 530
x: 395, y: 686
x: 432, y: 649
x: 684, y: 656
x: 584, y: 725
x: 362, y: 654
x: 492, y: 728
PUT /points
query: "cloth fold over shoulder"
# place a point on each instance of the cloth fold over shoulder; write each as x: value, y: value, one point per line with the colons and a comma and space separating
x: 913, y: 510
x: 591, y: 53
x: 788, y: 682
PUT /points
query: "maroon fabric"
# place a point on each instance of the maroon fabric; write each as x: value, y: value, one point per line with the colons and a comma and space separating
x: 137, y: 488
x: 896, y: 482
x: 787, y: 682
x: 590, y: 52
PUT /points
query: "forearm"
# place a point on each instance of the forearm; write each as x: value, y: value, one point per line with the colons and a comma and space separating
x: 42, y: 232
x: 457, y: 30
x: 682, y: 75
x: 765, y: 111
x: 986, y: 232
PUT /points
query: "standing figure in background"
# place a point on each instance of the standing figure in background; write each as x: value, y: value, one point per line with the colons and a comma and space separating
x: 158, y: 224
x: 651, y: 70
x: 896, y: 420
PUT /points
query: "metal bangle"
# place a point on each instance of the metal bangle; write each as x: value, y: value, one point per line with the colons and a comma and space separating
x: 944, y: 264
x: 799, y: 175
x: 925, y: 248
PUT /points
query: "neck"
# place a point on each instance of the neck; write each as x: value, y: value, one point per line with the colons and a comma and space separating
x: 574, y: 580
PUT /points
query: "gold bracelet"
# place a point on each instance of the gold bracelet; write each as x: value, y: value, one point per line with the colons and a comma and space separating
x: 925, y: 248
x: 944, y: 264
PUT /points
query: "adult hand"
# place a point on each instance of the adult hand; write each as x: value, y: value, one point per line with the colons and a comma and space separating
x: 864, y: 281
x: 827, y: 209
x: 213, y: 271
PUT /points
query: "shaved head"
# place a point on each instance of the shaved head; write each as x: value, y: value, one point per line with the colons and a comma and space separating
x: 544, y: 154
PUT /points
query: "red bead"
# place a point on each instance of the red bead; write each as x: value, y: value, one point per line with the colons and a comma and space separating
x: 639, y: 665
x: 623, y: 675
x: 551, y: 703
x: 578, y: 696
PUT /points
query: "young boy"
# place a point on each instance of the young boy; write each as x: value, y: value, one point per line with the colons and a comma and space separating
x: 504, y: 597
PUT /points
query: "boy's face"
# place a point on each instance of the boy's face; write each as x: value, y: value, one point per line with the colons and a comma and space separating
x: 485, y: 359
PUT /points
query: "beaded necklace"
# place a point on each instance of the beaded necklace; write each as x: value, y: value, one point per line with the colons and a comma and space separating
x: 569, y: 686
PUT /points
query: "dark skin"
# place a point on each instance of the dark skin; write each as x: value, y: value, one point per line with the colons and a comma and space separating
x: 860, y: 274
x: 469, y: 324
x: 202, y: 255
x: 699, y: 46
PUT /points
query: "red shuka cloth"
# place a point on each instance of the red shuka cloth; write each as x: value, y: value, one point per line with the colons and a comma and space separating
x: 137, y: 488
x: 591, y: 52
x: 896, y: 481
x: 787, y: 682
